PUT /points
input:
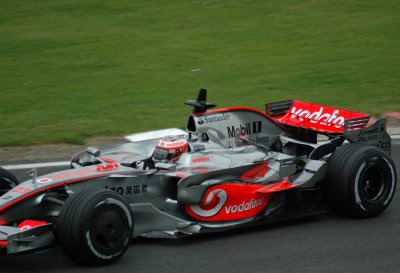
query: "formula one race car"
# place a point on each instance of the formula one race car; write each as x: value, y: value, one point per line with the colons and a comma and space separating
x: 234, y: 167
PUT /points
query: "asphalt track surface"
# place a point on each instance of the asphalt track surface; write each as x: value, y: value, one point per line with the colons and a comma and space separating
x: 327, y: 243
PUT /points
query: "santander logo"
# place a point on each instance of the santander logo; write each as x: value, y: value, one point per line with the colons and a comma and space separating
x: 325, y: 118
x: 215, y: 200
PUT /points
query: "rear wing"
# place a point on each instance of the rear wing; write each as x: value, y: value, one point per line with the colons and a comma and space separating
x: 310, y: 116
x: 313, y: 119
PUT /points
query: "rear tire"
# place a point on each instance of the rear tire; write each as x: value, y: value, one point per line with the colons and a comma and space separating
x: 7, y: 181
x: 361, y: 181
x: 95, y: 226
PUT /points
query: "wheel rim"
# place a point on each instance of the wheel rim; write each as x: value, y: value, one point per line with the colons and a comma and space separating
x: 373, y: 184
x: 109, y: 230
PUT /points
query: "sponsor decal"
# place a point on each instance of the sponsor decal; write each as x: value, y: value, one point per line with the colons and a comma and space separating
x: 240, y: 143
x: 261, y: 140
x: 244, y: 130
x: 368, y: 135
x: 129, y: 190
x: 214, y: 202
x: 44, y: 180
x: 200, y: 160
x: 213, y: 118
x: 83, y: 172
x: 322, y: 117
x: 230, y: 201
x: 199, y: 147
x: 375, y: 137
x: 73, y: 173
x: 173, y: 144
x: 107, y: 167
x: 108, y: 160
x: 244, y: 206
x: 29, y: 224
x: 229, y: 146
x: 21, y: 190
x: 26, y: 227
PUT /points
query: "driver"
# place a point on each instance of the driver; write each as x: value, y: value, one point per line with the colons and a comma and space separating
x: 168, y: 150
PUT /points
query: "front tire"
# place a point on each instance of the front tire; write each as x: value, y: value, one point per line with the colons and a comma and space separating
x: 95, y: 226
x: 361, y: 181
x: 7, y: 181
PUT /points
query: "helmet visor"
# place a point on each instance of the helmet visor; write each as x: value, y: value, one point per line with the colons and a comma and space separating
x: 162, y: 154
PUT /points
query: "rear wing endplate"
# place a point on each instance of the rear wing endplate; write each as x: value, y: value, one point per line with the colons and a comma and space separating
x: 375, y: 135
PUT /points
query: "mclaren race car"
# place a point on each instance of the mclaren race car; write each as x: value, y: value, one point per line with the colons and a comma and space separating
x: 240, y: 166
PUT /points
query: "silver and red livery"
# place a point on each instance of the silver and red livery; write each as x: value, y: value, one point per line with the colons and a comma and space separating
x: 241, y: 167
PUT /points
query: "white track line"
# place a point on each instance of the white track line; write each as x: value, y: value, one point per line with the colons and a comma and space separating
x: 36, y: 165
x: 66, y: 163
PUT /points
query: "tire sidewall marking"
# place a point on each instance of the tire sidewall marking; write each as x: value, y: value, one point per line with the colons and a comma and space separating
x: 361, y: 168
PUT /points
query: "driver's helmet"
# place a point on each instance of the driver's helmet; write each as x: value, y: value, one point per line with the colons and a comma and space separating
x: 170, y: 148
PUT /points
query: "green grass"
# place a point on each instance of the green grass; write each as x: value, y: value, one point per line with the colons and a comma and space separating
x: 75, y: 69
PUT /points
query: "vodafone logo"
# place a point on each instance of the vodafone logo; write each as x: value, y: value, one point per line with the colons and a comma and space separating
x: 26, y: 227
x: 44, y: 180
x: 200, y: 160
x: 174, y: 144
x: 245, y: 206
x: 215, y: 200
x: 29, y: 224
x: 322, y: 117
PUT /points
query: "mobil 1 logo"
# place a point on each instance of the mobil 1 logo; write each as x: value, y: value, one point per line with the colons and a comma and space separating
x: 244, y: 130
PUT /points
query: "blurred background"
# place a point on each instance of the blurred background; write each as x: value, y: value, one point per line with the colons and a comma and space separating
x: 70, y: 70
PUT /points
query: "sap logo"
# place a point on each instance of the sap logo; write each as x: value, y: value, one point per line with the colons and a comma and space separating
x: 321, y: 117
x: 244, y: 130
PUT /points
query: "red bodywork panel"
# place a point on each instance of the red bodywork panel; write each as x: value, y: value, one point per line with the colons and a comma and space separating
x: 316, y: 117
x: 279, y: 186
x: 25, y: 225
x: 28, y: 224
x: 256, y: 172
x: 236, y: 200
x: 228, y: 202
x: 58, y: 179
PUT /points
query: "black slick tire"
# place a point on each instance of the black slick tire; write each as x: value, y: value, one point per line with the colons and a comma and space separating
x: 361, y: 181
x: 95, y: 227
x: 7, y: 181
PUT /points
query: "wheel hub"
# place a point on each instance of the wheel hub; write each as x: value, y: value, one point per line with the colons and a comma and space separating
x: 373, y: 183
x: 109, y: 229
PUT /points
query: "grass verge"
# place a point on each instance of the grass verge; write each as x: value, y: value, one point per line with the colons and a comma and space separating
x: 73, y: 69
